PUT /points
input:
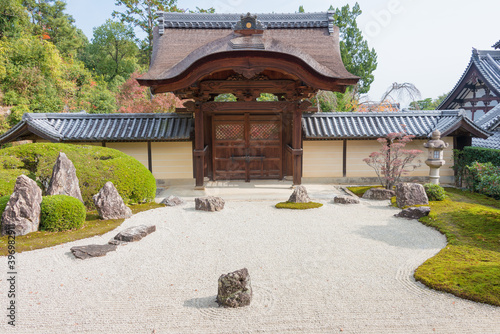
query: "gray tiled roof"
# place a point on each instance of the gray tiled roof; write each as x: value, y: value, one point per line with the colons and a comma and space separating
x: 227, y: 21
x: 487, y: 63
x: 340, y: 125
x: 490, y: 122
x: 496, y: 45
x: 104, y: 127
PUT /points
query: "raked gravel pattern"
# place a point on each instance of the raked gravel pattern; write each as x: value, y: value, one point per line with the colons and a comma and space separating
x: 335, y: 269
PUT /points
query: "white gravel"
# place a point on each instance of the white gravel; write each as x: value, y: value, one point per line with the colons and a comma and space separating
x: 335, y: 269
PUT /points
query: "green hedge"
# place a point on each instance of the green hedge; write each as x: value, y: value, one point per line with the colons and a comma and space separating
x: 94, y: 165
x: 61, y: 213
x: 468, y: 156
x: 434, y: 192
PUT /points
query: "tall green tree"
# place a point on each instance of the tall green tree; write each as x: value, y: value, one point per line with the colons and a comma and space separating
x: 50, y: 22
x: 112, y: 52
x: 358, y: 58
x: 142, y: 14
x: 13, y: 18
x: 428, y: 103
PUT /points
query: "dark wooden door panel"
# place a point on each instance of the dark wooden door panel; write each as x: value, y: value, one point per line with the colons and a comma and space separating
x: 247, y: 147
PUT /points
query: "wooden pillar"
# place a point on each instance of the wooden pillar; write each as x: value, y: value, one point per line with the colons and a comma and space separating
x: 199, y: 149
x: 150, y: 157
x: 297, y: 146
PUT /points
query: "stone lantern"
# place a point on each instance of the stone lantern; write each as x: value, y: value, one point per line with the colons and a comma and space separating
x: 435, y: 160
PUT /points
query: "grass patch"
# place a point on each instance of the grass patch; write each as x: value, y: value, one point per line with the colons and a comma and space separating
x: 91, y: 227
x: 360, y: 191
x: 298, y: 206
x: 469, y: 266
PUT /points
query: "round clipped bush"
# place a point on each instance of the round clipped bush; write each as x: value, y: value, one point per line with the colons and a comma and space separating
x: 94, y: 165
x: 434, y: 192
x: 61, y: 213
x: 3, y: 204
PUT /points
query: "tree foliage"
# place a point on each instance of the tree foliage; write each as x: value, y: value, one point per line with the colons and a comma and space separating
x: 393, y: 160
x: 133, y: 98
x: 112, y: 52
x: 428, y: 103
x: 357, y: 57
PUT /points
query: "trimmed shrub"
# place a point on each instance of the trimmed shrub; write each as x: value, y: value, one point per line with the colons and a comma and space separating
x: 434, y: 192
x: 3, y: 204
x: 61, y: 213
x: 467, y: 157
x: 94, y: 165
x: 484, y: 178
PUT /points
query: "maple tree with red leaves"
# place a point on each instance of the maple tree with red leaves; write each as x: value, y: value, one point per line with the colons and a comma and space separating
x: 133, y: 98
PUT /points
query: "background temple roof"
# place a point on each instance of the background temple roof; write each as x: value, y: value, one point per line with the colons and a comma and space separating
x: 489, y: 122
x: 487, y: 62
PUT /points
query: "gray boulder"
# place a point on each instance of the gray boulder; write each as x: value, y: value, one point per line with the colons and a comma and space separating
x: 131, y: 234
x: 172, y: 201
x: 415, y: 212
x: 22, y: 213
x: 379, y: 194
x: 209, y: 203
x: 84, y: 252
x: 410, y: 194
x: 110, y: 204
x: 235, y: 289
x: 299, y: 195
x: 346, y: 200
x: 64, y: 180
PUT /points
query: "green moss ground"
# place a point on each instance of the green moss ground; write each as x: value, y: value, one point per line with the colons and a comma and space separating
x: 360, y: 191
x: 469, y: 266
x: 93, y: 226
x: 298, y: 206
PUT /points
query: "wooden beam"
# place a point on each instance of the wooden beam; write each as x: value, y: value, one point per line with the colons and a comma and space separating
x: 344, y: 158
x: 150, y: 158
x: 199, y: 149
x: 297, y: 146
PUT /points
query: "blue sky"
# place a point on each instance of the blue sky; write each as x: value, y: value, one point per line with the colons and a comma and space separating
x: 425, y: 42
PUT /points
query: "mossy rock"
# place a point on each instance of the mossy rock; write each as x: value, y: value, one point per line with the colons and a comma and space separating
x: 360, y: 191
x: 61, y: 213
x: 94, y: 167
x: 298, y: 206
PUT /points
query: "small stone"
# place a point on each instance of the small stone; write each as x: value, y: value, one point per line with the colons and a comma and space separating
x: 64, y: 180
x: 235, y: 289
x: 135, y: 233
x: 22, y: 213
x: 209, y: 203
x: 84, y: 252
x: 172, y: 201
x: 379, y: 194
x: 414, y: 212
x: 345, y: 200
x: 410, y: 194
x: 110, y: 204
x: 299, y: 195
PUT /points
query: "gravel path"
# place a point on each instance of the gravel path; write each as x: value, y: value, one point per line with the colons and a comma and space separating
x: 329, y: 270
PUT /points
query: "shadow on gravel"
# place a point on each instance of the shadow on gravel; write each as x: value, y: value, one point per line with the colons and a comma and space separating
x: 400, y: 232
x: 205, y: 302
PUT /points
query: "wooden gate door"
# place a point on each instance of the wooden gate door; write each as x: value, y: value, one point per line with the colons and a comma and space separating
x: 247, y: 147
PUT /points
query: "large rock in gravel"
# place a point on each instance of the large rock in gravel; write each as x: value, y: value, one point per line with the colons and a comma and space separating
x: 84, y: 252
x: 110, y: 204
x: 410, y: 194
x: 235, y: 289
x: 172, y: 201
x: 22, y: 213
x: 299, y: 195
x: 209, y: 203
x: 346, y: 200
x: 415, y: 212
x: 134, y: 233
x: 379, y: 194
x: 64, y: 180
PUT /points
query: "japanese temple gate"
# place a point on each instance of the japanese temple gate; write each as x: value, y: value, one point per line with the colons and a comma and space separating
x: 292, y: 56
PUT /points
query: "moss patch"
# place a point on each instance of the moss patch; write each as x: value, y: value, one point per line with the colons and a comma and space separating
x: 360, y: 191
x: 298, y: 206
x: 469, y: 267
x: 92, y: 226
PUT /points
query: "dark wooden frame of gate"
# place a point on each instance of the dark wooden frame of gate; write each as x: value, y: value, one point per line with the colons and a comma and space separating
x: 247, y: 145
